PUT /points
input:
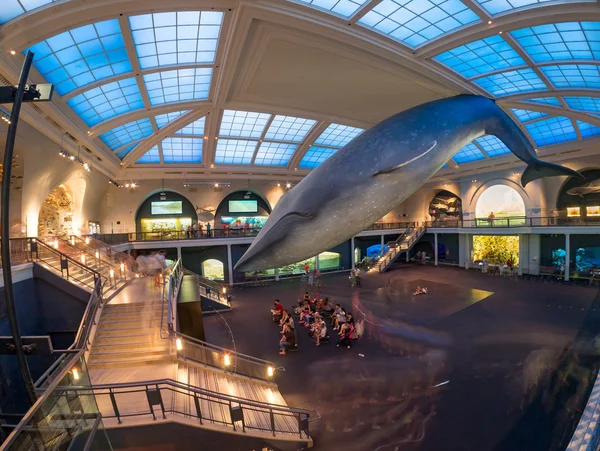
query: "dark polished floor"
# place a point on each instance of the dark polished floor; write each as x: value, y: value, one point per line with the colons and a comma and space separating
x: 479, y: 363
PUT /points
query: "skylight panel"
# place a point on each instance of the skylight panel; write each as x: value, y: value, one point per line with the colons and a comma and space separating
x: 182, y: 150
x: 590, y: 104
x: 81, y: 56
x: 150, y: 157
x: 552, y: 131
x: 511, y: 82
x: 315, y: 156
x: 560, y: 41
x: 573, y: 75
x: 107, y: 101
x: 499, y: 6
x: 588, y: 130
x: 481, y: 57
x: 546, y: 100
x: 527, y: 115
x: 14, y: 8
x: 235, y: 151
x: 196, y: 128
x: 288, y: 128
x: 185, y: 37
x: 162, y: 120
x: 418, y: 21
x: 274, y: 154
x: 124, y: 152
x: 243, y: 124
x: 338, y: 135
x: 178, y: 85
x: 468, y: 153
x: 344, y: 8
x: 124, y: 134
x: 492, y: 146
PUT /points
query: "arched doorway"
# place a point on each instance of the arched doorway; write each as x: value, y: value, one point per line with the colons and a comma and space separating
x: 242, y: 210
x: 213, y: 269
x: 445, y: 206
x: 57, y: 212
x: 500, y: 205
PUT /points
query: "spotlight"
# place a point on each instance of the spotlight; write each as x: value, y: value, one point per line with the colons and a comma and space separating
x: 288, y: 185
x: 270, y: 371
x: 86, y: 167
x: 75, y: 374
x: 279, y: 184
x: 12, y: 52
x: 216, y: 185
x: 500, y: 33
x: 227, y: 360
x: 178, y: 344
x: 126, y: 185
x: 489, y: 22
x: 72, y: 157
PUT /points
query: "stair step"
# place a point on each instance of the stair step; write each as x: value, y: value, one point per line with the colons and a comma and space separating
x: 122, y: 332
x: 137, y: 361
x: 100, y: 347
x: 126, y: 308
x: 129, y: 315
x: 128, y: 338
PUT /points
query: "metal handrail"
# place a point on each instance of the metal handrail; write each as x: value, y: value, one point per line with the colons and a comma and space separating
x: 111, y: 252
x: 214, y: 287
x: 68, y: 244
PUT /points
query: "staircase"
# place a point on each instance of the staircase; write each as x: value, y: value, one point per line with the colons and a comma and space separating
x: 404, y: 243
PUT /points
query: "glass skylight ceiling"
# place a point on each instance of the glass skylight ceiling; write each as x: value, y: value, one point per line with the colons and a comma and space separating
x: 274, y: 154
x: 14, y: 8
x: 315, y: 156
x: 527, y: 115
x: 82, y: 56
x: 337, y: 135
x: 166, y: 39
x: 235, y: 151
x: 561, y: 41
x: 573, y: 75
x: 124, y: 134
x: 162, y: 120
x: 178, y: 85
x: 243, y: 124
x: 511, y: 82
x: 106, y: 101
x: 415, y: 22
x: 124, y: 152
x: 344, y: 8
x: 492, y: 146
x: 481, y: 57
x: 196, y: 128
x: 468, y: 154
x: 182, y: 150
x: 500, y: 6
x: 287, y: 128
x: 588, y: 130
x: 546, y: 100
x: 551, y: 131
x: 590, y: 104
x: 150, y: 157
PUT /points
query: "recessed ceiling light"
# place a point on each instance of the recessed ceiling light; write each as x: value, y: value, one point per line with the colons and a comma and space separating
x: 212, y: 165
x: 216, y: 185
x: 12, y: 52
x: 279, y: 184
x: 288, y: 185
x: 489, y: 22
x: 500, y: 33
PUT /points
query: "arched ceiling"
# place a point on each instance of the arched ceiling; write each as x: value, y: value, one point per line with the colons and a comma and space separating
x: 270, y: 89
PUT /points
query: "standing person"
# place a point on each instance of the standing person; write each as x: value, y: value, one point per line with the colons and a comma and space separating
x: 357, y: 276
x: 491, y: 218
x: 195, y: 229
x: 311, y: 278
x: 208, y: 230
x: 200, y: 227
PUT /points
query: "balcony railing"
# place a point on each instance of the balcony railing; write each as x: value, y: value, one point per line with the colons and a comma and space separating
x: 516, y: 221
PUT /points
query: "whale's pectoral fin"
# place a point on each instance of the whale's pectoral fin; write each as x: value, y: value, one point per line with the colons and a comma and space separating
x: 401, y: 165
x: 540, y: 169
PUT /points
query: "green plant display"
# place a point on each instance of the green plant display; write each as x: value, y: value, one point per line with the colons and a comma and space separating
x: 497, y: 249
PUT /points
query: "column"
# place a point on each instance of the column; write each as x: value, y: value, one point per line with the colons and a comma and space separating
x: 567, y: 256
x: 317, y: 266
x: 277, y: 274
x: 523, y: 254
x: 382, y: 245
x: 178, y: 253
x: 352, y: 250
x: 435, y: 248
x: 229, y: 265
x: 468, y: 256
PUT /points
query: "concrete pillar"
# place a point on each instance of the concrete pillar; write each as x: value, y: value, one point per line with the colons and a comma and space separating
x: 435, y: 248
x: 567, y: 256
x: 468, y: 247
x: 523, y: 254
x: 352, y: 251
x: 230, y: 265
x: 382, y: 245
x: 178, y: 253
x: 277, y: 274
x: 317, y: 266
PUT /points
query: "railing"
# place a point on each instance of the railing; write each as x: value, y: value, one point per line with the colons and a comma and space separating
x: 210, y: 289
x: 167, y: 396
x: 74, y: 249
x: 20, y: 251
x: 116, y: 257
x: 55, y: 422
x: 517, y: 221
x: 403, y: 243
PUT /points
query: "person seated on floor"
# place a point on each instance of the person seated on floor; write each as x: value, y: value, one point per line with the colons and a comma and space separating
x: 277, y: 310
x: 320, y: 329
x: 340, y: 319
x: 284, y: 316
x: 420, y: 291
x: 298, y: 310
x: 288, y: 339
x: 289, y: 322
x: 307, y: 315
x: 345, y: 327
x: 318, y: 304
x: 307, y: 296
x: 336, y: 311
x: 326, y: 308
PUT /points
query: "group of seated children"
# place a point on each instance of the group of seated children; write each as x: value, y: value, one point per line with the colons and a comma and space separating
x: 420, y: 290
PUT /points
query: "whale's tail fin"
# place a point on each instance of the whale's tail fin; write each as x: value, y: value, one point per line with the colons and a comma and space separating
x: 539, y: 169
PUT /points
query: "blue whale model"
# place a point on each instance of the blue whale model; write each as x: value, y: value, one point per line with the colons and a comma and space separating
x: 379, y: 170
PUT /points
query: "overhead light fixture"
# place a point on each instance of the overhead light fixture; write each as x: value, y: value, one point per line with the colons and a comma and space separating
x: 216, y: 185
x: 288, y: 185
x: 500, y: 33
x: 12, y: 52
x: 279, y: 184
x: 489, y: 22
x: 221, y: 183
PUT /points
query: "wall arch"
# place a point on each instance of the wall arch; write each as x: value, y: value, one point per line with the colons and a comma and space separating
x: 264, y: 209
x: 472, y: 202
x: 445, y: 205
x: 501, y: 201
x: 213, y: 269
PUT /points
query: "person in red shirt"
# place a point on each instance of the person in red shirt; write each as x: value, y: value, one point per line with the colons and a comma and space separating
x: 277, y: 310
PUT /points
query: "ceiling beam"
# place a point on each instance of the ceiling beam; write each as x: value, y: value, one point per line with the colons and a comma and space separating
x: 553, y: 111
x: 364, y: 9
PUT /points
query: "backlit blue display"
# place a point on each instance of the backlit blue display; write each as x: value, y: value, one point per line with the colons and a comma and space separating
x: 591, y: 104
x: 546, y: 100
x: 588, y: 130
x: 418, y: 21
x: 243, y: 124
x: 107, y: 101
x: 125, y: 151
x: 551, y: 131
x: 167, y: 39
x: 81, y: 56
x: 196, y: 128
x: 500, y: 6
x: 481, y: 57
x: 468, y: 153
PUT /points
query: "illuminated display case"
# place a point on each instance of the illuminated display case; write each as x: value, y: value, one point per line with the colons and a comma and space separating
x: 165, y: 224
x: 592, y: 211
x: 573, y: 212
